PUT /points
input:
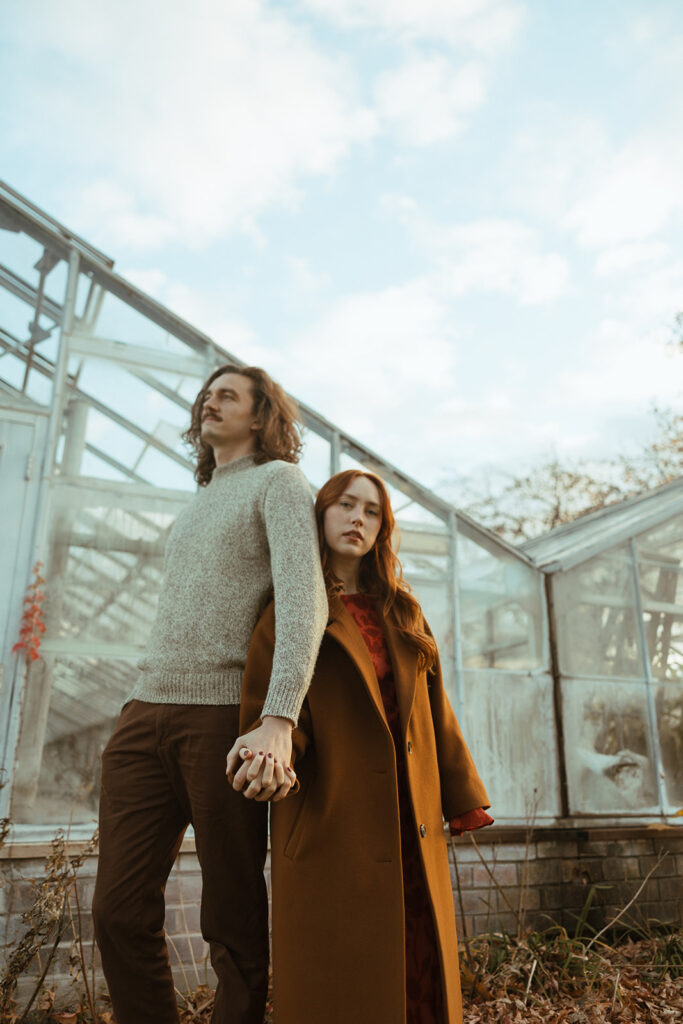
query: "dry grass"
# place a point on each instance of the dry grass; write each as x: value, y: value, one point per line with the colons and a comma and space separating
x: 553, y: 977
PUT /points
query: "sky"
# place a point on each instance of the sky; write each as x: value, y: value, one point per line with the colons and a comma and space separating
x: 453, y: 227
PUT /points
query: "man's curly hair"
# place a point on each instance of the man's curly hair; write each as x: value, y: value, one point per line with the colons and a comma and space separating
x: 279, y: 436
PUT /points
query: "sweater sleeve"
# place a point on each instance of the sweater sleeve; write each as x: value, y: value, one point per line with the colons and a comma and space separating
x: 301, y: 607
x: 257, y: 672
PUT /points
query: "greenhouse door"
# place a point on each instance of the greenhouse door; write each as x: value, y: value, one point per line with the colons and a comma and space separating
x: 22, y: 439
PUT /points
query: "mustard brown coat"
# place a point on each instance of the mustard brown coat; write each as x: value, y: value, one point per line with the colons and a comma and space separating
x: 338, y: 928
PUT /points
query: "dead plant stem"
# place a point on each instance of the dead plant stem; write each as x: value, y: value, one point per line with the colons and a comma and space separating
x: 460, y: 901
x: 81, y: 954
x: 630, y: 903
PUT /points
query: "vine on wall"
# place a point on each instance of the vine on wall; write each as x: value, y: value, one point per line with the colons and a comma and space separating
x: 32, y: 625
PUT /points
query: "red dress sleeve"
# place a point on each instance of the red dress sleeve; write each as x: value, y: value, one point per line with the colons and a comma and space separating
x: 469, y: 821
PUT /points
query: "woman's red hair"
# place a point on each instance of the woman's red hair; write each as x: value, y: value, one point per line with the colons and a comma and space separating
x: 381, y: 573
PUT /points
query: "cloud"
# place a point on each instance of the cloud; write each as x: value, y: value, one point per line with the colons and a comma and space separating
x: 427, y: 98
x: 203, y: 114
x: 634, y: 194
x: 501, y: 256
x: 600, y: 192
x: 204, y: 311
x: 378, y: 357
x: 486, y: 255
x: 623, y: 367
x: 619, y: 259
x: 487, y: 26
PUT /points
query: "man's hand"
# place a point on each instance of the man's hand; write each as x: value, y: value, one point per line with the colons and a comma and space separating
x: 265, y: 772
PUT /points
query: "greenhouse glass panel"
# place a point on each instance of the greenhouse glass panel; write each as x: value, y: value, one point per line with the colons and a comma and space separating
x: 502, y: 608
x: 669, y: 706
x: 596, y: 621
x: 105, y: 563
x: 316, y: 459
x: 58, y: 779
x: 116, y: 321
x: 509, y: 725
x: 609, y: 756
x: 103, y: 574
x: 660, y: 569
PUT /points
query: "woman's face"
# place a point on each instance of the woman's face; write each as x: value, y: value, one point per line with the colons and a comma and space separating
x: 352, y: 523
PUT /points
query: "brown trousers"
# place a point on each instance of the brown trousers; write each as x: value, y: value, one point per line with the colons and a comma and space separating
x: 164, y: 768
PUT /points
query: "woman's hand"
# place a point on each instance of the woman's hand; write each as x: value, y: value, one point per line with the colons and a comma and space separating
x: 265, y: 772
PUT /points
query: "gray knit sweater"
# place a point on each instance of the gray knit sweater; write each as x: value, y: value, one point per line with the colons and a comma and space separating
x: 251, y: 528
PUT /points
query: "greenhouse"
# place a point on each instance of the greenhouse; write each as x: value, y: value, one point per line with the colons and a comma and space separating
x: 563, y: 658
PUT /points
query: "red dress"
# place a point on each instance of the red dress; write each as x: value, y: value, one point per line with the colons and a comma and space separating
x: 423, y: 967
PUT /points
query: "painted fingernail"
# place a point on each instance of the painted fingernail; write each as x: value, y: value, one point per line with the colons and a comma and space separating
x: 260, y: 753
x: 270, y: 755
x: 275, y: 760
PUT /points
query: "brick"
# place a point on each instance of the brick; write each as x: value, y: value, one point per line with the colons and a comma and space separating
x: 619, y: 868
x: 181, y: 920
x: 505, y: 921
x: 509, y: 897
x: 23, y: 896
x: 515, y: 852
x: 560, y: 850
x: 465, y: 873
x: 531, y: 899
x: 179, y: 948
x: 590, y: 870
x: 471, y: 926
x: 649, y: 894
x: 671, y: 889
x: 503, y: 874
x: 616, y: 848
x: 474, y: 903
x: 86, y: 929
x: 189, y: 890
x: 552, y: 896
x: 672, y: 843
x: 481, y: 925
x: 468, y: 855
x: 664, y: 913
x: 544, y: 872
x: 86, y: 891
x: 205, y: 973
x: 666, y: 866
x: 186, y: 862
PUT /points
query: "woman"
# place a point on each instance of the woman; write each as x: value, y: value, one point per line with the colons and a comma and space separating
x: 363, y: 921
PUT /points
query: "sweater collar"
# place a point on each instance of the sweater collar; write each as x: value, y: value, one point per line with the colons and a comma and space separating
x: 229, y: 468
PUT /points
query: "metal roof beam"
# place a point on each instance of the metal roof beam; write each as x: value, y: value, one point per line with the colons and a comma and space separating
x: 44, y: 228
x: 25, y: 291
x: 136, y: 356
x: 46, y: 367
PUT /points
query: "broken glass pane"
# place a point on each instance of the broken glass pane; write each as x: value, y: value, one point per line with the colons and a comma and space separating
x: 608, y: 749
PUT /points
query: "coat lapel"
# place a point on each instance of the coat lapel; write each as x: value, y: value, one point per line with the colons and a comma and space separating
x: 343, y: 629
x: 404, y: 661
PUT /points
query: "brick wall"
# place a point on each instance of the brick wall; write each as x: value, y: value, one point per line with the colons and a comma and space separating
x: 509, y: 878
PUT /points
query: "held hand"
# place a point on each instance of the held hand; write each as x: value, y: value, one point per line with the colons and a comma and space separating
x: 266, y: 753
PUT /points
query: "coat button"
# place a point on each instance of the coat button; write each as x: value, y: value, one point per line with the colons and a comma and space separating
x: 410, y: 747
x: 423, y: 830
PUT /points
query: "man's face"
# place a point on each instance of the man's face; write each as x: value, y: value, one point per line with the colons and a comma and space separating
x: 228, y: 411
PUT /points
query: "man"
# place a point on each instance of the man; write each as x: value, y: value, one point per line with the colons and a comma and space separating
x: 249, y: 532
